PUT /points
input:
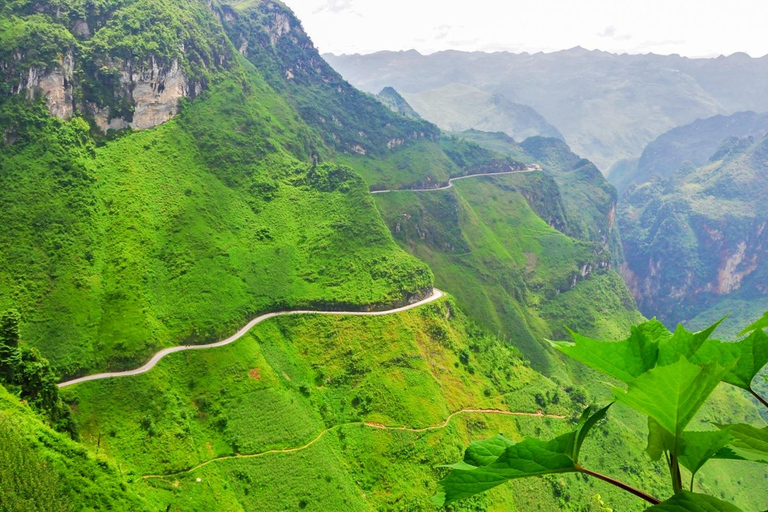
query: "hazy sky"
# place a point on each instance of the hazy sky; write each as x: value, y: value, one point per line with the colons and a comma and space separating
x: 691, y: 28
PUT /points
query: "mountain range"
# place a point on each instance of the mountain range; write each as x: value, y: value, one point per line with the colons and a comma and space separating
x: 608, y: 107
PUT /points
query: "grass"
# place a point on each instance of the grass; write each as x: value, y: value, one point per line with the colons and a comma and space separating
x: 45, y: 471
x: 295, y: 377
x: 152, y: 239
x: 507, y: 267
x: 419, y: 164
x: 288, y: 380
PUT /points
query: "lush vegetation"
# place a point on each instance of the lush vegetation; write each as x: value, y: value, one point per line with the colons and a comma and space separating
x: 668, y: 378
x: 693, y: 241
x: 24, y: 371
x: 253, y: 198
x: 488, y: 242
x: 45, y: 471
x: 292, y: 379
x: 183, y: 232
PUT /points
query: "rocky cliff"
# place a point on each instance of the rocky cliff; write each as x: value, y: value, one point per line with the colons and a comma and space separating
x: 89, y: 60
x: 272, y: 38
x: 699, y: 237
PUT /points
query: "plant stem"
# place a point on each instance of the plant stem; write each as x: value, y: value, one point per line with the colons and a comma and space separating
x: 759, y: 398
x: 620, y: 485
x: 674, y: 469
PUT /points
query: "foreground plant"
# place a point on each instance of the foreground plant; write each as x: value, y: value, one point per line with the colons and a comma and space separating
x: 668, y: 377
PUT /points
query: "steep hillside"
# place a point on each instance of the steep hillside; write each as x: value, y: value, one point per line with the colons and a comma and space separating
x: 494, y: 243
x: 693, y: 143
x: 354, y: 419
x: 44, y: 471
x: 608, y: 107
x: 115, y: 248
x: 271, y: 37
x: 589, y: 201
x: 696, y: 239
x: 499, y: 142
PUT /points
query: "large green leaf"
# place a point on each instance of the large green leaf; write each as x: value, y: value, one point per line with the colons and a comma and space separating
x: 748, y: 443
x: 659, y: 440
x: 483, y: 453
x: 750, y: 356
x: 696, y: 448
x: 682, y: 343
x: 689, y: 502
x: 623, y: 360
x: 672, y: 394
x: 649, y: 345
x: 480, y: 471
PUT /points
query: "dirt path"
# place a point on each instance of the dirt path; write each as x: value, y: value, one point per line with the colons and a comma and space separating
x: 436, y: 294
x: 450, y: 181
x: 376, y: 426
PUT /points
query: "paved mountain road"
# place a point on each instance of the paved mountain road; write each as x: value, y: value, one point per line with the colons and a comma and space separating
x: 436, y: 294
x: 450, y: 181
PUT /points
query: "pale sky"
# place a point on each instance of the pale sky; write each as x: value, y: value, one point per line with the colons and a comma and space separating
x: 694, y: 28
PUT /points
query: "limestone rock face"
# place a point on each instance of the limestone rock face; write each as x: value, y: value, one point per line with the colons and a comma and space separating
x: 55, y: 85
x: 282, y: 25
x: 153, y: 90
x: 698, y: 238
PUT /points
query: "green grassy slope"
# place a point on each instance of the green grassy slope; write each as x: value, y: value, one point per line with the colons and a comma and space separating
x: 44, y: 471
x: 508, y: 268
x: 588, y: 199
x: 287, y: 382
x: 292, y: 415
x: 181, y: 233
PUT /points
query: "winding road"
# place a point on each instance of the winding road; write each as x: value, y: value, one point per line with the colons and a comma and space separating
x: 450, y: 181
x: 365, y: 424
x: 436, y: 294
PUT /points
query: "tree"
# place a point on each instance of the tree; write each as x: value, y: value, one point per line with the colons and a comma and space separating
x: 10, y: 356
x: 26, y: 372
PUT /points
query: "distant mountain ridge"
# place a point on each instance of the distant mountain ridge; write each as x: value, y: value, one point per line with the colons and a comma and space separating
x: 607, y: 106
x: 694, y: 143
x: 459, y: 107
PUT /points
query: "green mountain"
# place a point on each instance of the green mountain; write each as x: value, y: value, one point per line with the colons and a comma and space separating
x: 692, y: 143
x: 396, y: 103
x: 170, y: 170
x: 694, y: 242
